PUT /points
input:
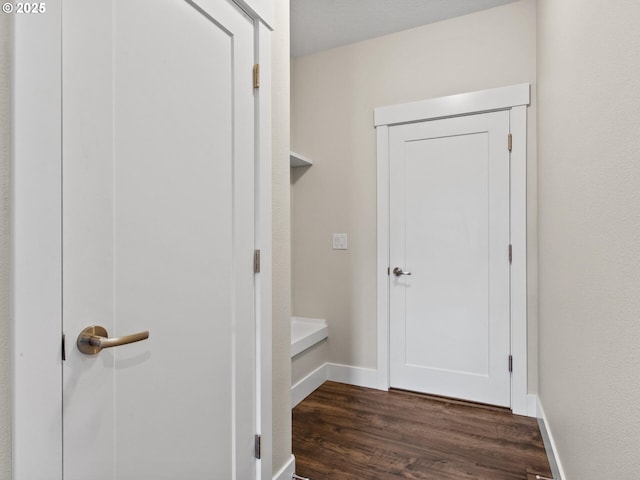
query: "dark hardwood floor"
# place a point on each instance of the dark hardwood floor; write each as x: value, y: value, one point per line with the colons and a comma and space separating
x: 342, y: 432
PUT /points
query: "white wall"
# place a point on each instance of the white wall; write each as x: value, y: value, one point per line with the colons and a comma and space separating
x: 281, y: 240
x: 589, y: 225
x: 334, y: 94
x: 5, y: 249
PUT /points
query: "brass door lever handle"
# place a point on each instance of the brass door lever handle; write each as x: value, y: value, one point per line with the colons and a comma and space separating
x: 93, y: 339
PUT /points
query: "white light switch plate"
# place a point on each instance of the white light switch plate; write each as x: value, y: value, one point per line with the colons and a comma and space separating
x: 339, y: 241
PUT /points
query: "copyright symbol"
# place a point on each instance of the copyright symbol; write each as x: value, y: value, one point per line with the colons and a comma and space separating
x: 7, y: 7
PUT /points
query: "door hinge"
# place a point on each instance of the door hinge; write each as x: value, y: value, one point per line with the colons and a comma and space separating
x: 388, y: 270
x: 256, y: 261
x: 63, y: 349
x: 256, y: 75
x: 510, y: 254
x: 510, y: 363
x: 510, y: 142
x: 257, y: 446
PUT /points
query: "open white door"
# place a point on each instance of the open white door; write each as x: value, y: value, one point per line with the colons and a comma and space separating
x: 449, y: 239
x: 158, y: 236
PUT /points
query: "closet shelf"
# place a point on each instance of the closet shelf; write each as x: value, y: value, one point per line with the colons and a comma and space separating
x: 297, y: 160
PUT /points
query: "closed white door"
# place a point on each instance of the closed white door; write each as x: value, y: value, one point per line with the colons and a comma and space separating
x: 449, y: 241
x: 158, y: 236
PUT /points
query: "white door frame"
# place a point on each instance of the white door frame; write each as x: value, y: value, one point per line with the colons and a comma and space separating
x: 37, y: 241
x: 514, y: 98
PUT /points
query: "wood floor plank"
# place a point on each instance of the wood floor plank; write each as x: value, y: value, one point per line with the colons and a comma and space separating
x: 343, y: 432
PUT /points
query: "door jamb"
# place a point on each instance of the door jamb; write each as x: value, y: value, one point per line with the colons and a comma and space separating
x: 515, y: 98
x: 36, y: 318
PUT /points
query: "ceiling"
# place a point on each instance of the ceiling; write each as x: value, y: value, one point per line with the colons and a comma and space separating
x: 318, y: 25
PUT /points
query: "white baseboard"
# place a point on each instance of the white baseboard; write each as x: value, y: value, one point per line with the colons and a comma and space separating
x: 308, y: 384
x: 362, y: 377
x: 549, y: 443
x: 287, y: 471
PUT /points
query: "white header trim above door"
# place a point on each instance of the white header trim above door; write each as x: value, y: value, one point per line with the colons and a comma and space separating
x: 502, y: 98
x: 514, y: 98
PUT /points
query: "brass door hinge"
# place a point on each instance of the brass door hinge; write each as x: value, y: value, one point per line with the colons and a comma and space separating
x: 256, y: 75
x: 510, y: 142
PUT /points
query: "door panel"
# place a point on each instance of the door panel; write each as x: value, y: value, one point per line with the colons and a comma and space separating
x: 158, y: 220
x: 449, y: 228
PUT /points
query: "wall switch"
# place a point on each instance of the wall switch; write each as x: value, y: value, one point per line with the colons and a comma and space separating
x: 339, y: 241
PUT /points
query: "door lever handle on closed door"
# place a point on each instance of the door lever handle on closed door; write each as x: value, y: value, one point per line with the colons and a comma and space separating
x: 93, y: 339
x: 398, y: 271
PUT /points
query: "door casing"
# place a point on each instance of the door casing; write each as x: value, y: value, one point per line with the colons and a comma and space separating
x: 37, y: 235
x: 515, y: 98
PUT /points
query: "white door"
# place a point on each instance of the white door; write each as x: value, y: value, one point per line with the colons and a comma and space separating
x: 449, y: 240
x: 158, y: 236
